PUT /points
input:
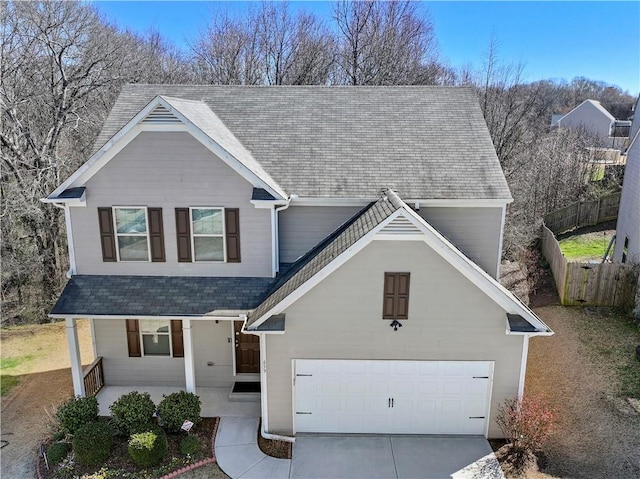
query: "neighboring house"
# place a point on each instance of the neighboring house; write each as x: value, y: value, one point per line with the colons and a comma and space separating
x: 627, y: 247
x: 338, y: 245
x: 593, y: 117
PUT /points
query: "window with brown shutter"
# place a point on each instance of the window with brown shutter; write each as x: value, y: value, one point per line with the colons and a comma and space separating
x: 183, y: 232
x: 177, y: 343
x: 133, y: 338
x: 232, y: 233
x: 107, y: 235
x: 156, y: 235
x: 396, y: 296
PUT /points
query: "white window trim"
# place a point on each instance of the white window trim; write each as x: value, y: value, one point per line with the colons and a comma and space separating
x: 223, y: 235
x: 117, y: 235
x: 169, y: 333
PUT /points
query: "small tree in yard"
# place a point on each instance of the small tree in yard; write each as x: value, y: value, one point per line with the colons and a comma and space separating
x: 526, y: 423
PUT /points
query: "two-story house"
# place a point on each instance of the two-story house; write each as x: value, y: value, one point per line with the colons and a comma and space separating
x: 340, y: 245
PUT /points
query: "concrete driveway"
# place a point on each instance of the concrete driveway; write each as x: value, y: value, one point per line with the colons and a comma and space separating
x: 393, y: 457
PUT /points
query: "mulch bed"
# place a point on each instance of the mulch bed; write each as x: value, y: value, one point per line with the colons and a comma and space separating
x: 277, y: 449
x: 120, y: 461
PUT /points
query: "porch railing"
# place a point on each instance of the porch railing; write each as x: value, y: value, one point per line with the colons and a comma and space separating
x: 93, y: 378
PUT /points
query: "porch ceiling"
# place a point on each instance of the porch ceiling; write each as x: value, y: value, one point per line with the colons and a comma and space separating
x: 101, y: 295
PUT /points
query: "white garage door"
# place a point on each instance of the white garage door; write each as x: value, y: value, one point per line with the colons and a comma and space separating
x: 392, y: 397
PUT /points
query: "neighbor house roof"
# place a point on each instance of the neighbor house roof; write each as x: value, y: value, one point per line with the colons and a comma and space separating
x: 594, y: 103
x: 138, y: 296
x: 426, y: 142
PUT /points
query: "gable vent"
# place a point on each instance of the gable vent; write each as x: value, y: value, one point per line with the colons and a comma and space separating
x: 400, y: 226
x: 161, y: 116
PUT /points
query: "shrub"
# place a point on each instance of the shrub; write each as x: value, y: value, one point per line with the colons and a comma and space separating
x: 175, y: 408
x: 77, y: 412
x: 526, y: 423
x: 92, y: 443
x: 56, y: 452
x: 148, y: 448
x: 189, y: 445
x: 132, y: 412
x: 59, y: 436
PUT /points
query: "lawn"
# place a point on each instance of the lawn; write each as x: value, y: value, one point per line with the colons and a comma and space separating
x: 586, y: 247
x: 10, y: 368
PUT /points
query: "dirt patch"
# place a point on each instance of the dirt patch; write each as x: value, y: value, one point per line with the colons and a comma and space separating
x: 596, y: 435
x: 44, y: 384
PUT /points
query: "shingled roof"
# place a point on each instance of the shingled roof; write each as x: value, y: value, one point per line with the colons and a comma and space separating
x: 425, y: 142
x: 98, y: 295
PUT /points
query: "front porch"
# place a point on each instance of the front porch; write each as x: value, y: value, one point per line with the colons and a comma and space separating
x: 215, y: 401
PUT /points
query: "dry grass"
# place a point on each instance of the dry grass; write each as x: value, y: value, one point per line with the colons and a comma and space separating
x: 597, y: 431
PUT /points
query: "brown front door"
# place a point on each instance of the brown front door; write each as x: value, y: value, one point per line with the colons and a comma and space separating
x: 247, y: 350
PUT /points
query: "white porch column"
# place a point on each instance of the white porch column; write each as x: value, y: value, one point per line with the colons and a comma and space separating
x: 189, y: 368
x: 74, y: 354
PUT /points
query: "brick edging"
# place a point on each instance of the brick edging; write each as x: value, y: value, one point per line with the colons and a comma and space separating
x: 171, y: 475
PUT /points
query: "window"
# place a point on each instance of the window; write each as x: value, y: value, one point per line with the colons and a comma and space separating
x: 132, y: 235
x: 396, y: 296
x: 207, y: 230
x: 156, y: 337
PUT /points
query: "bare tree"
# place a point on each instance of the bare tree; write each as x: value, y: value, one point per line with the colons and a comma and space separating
x: 383, y: 43
x: 61, y: 67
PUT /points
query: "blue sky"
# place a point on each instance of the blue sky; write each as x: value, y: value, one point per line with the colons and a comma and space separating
x: 560, y: 40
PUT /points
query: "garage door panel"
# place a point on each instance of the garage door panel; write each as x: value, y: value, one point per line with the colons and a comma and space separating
x: 404, y: 397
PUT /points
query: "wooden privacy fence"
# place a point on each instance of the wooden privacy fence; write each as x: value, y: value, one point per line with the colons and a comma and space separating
x: 589, y: 284
x: 585, y: 213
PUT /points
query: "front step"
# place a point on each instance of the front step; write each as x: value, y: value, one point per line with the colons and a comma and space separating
x: 245, y: 391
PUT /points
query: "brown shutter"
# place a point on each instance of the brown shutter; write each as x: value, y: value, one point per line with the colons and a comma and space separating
x: 133, y: 338
x: 232, y: 232
x: 176, y: 338
x: 402, y: 298
x: 396, y: 296
x: 183, y: 232
x: 389, y: 301
x: 156, y: 234
x: 107, y: 235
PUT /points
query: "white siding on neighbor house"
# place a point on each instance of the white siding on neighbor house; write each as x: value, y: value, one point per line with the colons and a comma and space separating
x: 300, y: 228
x: 210, y: 344
x: 475, y: 231
x: 170, y: 170
x: 588, y: 116
x: 629, y: 213
x: 341, y: 318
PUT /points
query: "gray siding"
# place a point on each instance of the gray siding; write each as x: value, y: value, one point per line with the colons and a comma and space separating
x: 169, y: 170
x: 210, y: 344
x: 300, y: 228
x: 475, y: 231
x: 629, y: 213
x: 341, y: 318
x: 589, y: 117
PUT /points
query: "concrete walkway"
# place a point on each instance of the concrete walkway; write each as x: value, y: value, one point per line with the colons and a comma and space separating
x: 238, y: 454
x: 354, y: 457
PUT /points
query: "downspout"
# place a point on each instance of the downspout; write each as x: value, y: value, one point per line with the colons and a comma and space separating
x: 275, y: 235
x: 67, y: 222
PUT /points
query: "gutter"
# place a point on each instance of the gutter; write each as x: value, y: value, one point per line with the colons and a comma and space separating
x: 67, y: 220
x: 274, y: 234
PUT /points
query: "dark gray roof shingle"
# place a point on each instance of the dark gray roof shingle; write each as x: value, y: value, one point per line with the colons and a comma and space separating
x: 425, y: 142
x: 262, y: 195
x: 158, y: 295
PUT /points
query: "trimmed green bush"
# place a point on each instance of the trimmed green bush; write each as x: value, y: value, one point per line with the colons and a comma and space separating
x: 92, y: 443
x: 189, y: 445
x: 76, y: 412
x: 132, y: 412
x: 56, y: 452
x: 59, y: 436
x: 175, y: 408
x: 148, y: 448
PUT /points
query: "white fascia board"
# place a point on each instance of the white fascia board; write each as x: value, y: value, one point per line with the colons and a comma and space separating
x: 453, y: 203
x: 267, y: 204
x: 133, y: 128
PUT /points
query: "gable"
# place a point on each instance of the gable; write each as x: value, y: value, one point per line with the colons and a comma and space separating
x: 170, y: 114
